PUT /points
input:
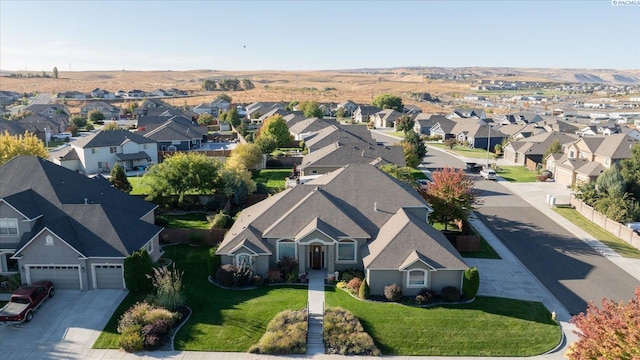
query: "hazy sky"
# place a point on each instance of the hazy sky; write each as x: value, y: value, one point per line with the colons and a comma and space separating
x: 316, y: 35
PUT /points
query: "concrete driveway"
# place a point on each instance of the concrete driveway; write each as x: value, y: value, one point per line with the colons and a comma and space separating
x: 64, y: 328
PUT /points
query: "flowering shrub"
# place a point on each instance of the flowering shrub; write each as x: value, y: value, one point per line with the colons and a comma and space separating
x: 425, y: 296
x: 354, y: 285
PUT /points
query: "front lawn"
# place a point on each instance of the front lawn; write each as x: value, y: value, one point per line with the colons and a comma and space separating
x: 187, y: 221
x: 516, y: 174
x: 486, y: 327
x: 140, y: 185
x: 620, y: 246
x: 222, y: 320
x: 464, y: 151
x: 274, y: 179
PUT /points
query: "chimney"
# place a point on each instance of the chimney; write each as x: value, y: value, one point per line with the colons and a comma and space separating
x: 86, y: 201
x: 375, y: 206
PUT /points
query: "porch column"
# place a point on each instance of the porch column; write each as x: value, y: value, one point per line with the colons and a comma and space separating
x: 330, y: 258
x: 303, y: 254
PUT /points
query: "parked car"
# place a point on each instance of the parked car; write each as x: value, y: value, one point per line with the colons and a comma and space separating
x: 423, y: 184
x: 62, y: 136
x: 488, y: 174
x: 26, y: 301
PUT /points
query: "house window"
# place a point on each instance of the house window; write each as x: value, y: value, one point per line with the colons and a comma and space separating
x: 346, y: 251
x: 8, y: 227
x: 99, y: 164
x: 314, y: 171
x: 572, y: 154
x: 48, y: 240
x: 149, y: 247
x: 286, y: 248
x: 244, y: 260
x: 607, y: 161
x: 113, y: 149
x: 417, y: 278
x: 93, y: 151
x: 144, y: 146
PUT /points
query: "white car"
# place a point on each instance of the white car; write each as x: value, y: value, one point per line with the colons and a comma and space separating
x: 62, y: 135
x: 488, y: 174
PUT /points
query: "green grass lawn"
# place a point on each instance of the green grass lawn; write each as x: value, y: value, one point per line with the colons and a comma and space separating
x: 222, y: 320
x: 516, y: 174
x: 187, y: 221
x: 486, y: 327
x: 464, y: 151
x: 274, y: 179
x: 621, y: 247
x: 140, y: 185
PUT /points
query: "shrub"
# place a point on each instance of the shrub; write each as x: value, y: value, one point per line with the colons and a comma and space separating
x: 343, y: 334
x: 213, y: 262
x: 341, y: 285
x: 393, y: 292
x: 221, y: 220
x: 155, y: 333
x: 141, y: 314
x: 289, y: 268
x: 131, y: 339
x: 136, y: 268
x: 224, y: 275
x: 152, y: 342
x: 450, y: 294
x: 354, y: 285
x: 541, y: 178
x: 364, y: 292
x: 425, y: 296
x: 286, y: 334
x: 470, y: 283
x: 292, y: 276
x: 349, y: 274
x: 162, y: 221
x: 168, y: 287
x: 257, y: 280
x: 274, y: 276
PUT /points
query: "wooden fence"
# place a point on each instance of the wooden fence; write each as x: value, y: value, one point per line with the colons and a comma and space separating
x: 621, y: 231
x: 197, y: 237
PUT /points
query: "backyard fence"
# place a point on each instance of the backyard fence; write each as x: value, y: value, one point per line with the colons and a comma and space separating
x: 622, y: 232
x: 196, y: 237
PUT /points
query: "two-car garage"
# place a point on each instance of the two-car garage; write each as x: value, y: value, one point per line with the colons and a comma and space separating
x: 104, y: 276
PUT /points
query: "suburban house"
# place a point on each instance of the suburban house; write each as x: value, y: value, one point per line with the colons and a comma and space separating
x: 599, y: 129
x: 337, y: 155
x: 72, y: 95
x: 342, y: 220
x: 257, y: 109
x: 58, y: 225
x: 362, y: 113
x: 202, y: 109
x: 172, y: 133
x: 12, y: 127
x: 476, y: 135
x: 265, y: 116
x: 518, y: 118
x: 99, y: 152
x: 385, y: 118
x: 109, y: 111
x: 424, y: 122
x: 8, y: 97
x: 98, y: 93
x: 412, y: 110
x: 467, y: 114
x: 218, y: 106
x: 530, y: 151
x: 345, y: 134
x: 45, y: 120
x: 348, y: 106
x: 309, y: 127
x: 447, y: 128
x: 584, y: 159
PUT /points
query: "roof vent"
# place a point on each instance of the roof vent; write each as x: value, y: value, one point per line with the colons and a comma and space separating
x: 86, y: 201
x: 375, y: 206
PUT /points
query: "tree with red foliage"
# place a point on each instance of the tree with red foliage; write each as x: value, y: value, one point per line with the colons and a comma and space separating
x: 451, y: 195
x: 609, y: 332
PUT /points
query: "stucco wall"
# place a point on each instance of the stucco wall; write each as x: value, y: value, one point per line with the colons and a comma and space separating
x: 378, y: 279
x: 443, y: 278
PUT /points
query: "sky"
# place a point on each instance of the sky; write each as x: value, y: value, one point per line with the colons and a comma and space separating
x: 317, y: 35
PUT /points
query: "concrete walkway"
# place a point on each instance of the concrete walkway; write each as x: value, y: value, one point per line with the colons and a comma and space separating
x: 315, y: 342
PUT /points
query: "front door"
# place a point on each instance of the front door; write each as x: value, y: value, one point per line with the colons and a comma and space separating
x: 317, y: 257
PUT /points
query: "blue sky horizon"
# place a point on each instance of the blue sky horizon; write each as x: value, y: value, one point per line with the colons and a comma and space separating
x: 317, y: 35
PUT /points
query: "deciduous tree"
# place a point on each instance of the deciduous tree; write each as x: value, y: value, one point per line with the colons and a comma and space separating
x: 14, y: 145
x: 205, y: 119
x: 245, y: 155
x: 388, y: 101
x: 236, y: 182
x: 611, y: 331
x: 405, y: 124
x: 451, y: 195
x: 79, y: 121
x: 183, y: 173
x: 311, y: 109
x: 554, y: 148
x: 119, y: 178
x: 276, y: 127
x: 266, y: 143
x: 402, y: 173
x: 96, y: 116
x: 225, y: 97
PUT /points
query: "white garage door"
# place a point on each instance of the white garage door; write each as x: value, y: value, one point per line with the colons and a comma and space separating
x: 63, y: 277
x: 109, y: 276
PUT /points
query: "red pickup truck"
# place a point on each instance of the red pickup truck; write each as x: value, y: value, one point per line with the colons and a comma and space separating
x: 25, y: 301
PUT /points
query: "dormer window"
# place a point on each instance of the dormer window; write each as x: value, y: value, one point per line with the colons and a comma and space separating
x: 48, y: 240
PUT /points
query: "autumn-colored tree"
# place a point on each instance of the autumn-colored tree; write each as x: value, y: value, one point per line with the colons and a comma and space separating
x: 236, y: 182
x: 405, y: 124
x: 14, y: 145
x: 451, y: 195
x: 611, y: 331
x: 411, y: 157
x: 246, y: 155
x: 276, y: 126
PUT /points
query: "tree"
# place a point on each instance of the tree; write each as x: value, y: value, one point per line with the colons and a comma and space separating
x: 183, y: 173
x: 451, y: 195
x: 231, y: 117
x: 450, y: 143
x: 236, y: 182
x: 225, y: 97
x: 291, y: 105
x: 209, y: 85
x: 341, y: 112
x: 276, y: 127
x: 111, y: 126
x: 205, y: 119
x: 405, y: 124
x: 247, y: 84
x: 311, y: 109
x: 55, y: 72
x: 402, y: 173
x: 96, y: 116
x: 245, y: 155
x: 554, y: 148
x: 266, y: 143
x: 119, y: 178
x: 78, y: 121
x: 136, y: 268
x: 414, y: 149
x: 611, y: 182
x: 611, y: 331
x: 470, y: 283
x: 387, y: 101
x: 630, y: 170
x: 14, y: 145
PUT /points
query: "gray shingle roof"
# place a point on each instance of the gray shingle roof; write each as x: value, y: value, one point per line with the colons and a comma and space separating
x: 111, y: 138
x: 93, y: 217
x: 337, y: 155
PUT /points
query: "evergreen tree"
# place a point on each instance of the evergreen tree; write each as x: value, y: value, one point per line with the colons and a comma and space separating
x: 119, y: 179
